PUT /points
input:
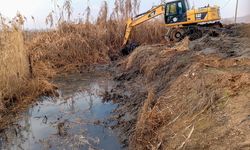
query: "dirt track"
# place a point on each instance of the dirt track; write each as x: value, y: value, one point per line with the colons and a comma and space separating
x: 192, y: 95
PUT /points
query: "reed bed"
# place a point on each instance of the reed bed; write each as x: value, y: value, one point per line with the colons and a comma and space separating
x: 14, y: 66
x: 30, y: 58
x: 74, y: 45
x: 16, y: 81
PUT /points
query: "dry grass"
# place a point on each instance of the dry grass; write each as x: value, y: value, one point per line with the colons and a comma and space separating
x: 71, y: 47
x: 16, y: 82
x: 29, y: 59
x: 150, y: 59
x: 194, y: 101
x: 150, y: 32
x: 14, y: 66
x: 74, y: 45
x: 193, y: 108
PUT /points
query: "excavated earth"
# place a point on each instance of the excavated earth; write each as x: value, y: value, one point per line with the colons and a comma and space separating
x: 189, y: 95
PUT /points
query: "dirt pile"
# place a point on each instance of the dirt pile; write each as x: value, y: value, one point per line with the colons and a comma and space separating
x: 195, y: 97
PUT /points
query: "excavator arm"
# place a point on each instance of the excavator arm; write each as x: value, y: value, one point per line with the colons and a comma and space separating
x: 139, y: 19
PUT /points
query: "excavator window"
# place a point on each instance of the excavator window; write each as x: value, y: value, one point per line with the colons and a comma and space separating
x: 175, y: 12
x: 180, y: 10
x: 171, y: 9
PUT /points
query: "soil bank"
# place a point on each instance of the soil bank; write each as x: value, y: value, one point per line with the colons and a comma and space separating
x: 189, y: 95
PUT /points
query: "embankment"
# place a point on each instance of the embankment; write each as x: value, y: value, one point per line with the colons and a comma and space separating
x: 192, y: 95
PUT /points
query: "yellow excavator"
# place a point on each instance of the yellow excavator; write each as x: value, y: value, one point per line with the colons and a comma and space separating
x: 180, y: 20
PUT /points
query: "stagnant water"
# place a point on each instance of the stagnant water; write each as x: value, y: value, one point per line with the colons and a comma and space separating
x: 74, y: 120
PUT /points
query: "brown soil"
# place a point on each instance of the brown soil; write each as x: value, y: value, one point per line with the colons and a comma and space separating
x: 192, y: 95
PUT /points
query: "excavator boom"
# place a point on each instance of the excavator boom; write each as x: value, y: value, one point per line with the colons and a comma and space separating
x: 139, y: 19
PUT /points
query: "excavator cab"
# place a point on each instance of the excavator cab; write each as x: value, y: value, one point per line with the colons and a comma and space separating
x: 176, y: 11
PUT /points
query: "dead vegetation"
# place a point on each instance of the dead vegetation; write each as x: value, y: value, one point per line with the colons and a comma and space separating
x: 176, y: 97
x: 74, y: 45
x: 16, y: 83
x: 14, y: 68
x: 194, y: 111
x: 31, y: 58
x: 186, y: 98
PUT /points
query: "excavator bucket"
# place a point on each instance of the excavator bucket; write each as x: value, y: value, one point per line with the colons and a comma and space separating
x: 135, y: 21
x: 128, y: 48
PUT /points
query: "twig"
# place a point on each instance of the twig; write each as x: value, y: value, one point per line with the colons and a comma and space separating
x: 211, y: 102
x: 174, y: 119
x: 189, y: 135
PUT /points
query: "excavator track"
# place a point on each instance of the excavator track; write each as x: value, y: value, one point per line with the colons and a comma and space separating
x: 194, y: 31
x: 213, y: 29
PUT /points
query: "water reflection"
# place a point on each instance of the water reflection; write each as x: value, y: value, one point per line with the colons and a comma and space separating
x: 71, y: 121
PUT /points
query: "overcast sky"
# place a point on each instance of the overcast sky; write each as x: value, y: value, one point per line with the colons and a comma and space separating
x: 40, y: 8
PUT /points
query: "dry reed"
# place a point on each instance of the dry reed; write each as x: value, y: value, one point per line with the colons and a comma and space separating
x: 70, y: 46
x: 73, y: 45
x: 14, y: 66
x: 15, y: 71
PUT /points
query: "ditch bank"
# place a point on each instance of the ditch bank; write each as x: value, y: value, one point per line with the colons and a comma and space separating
x: 189, y: 95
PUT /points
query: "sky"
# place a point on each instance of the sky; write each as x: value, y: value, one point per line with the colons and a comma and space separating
x: 39, y: 9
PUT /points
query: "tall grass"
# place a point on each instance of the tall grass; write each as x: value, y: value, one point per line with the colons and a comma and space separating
x: 73, y: 45
x: 16, y: 81
x: 14, y: 66
x: 68, y: 46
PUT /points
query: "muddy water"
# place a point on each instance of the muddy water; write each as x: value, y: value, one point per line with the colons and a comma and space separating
x: 74, y: 120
